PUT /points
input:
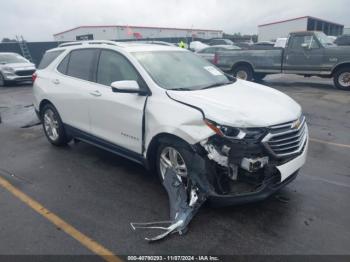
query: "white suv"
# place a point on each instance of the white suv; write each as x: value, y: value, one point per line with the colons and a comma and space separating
x: 165, y: 107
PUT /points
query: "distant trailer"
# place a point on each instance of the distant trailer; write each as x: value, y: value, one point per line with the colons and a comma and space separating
x: 280, y: 29
x: 125, y: 32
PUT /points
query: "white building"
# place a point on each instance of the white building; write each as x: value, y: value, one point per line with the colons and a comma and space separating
x: 119, y: 32
x: 274, y: 30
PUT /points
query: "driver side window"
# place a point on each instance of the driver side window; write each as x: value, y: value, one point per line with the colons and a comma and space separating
x: 311, y: 42
x: 298, y: 41
x: 114, y: 67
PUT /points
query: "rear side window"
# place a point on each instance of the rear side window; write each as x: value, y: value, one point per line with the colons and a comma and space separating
x: 48, y: 58
x: 63, y: 66
x: 82, y: 63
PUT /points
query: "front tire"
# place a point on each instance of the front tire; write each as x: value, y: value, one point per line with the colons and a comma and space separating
x: 341, y: 79
x: 3, y: 82
x: 53, y: 126
x: 243, y: 72
x: 176, y: 154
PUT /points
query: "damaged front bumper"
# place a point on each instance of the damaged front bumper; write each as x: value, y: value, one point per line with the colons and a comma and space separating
x: 241, y: 172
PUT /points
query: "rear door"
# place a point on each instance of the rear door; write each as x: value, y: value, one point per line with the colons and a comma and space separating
x: 74, y: 86
x: 303, y: 55
x: 117, y: 117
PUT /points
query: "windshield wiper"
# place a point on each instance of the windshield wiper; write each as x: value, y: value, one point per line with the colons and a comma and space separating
x: 217, y: 85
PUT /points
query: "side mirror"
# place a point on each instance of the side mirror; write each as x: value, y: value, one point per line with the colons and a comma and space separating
x: 305, y: 45
x: 127, y: 86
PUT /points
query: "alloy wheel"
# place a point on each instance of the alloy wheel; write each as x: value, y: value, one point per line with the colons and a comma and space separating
x: 242, y: 75
x: 344, y: 79
x: 51, y: 125
x: 171, y: 158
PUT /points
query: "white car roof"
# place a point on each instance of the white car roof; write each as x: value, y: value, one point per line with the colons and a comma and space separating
x: 9, y: 53
x: 126, y: 46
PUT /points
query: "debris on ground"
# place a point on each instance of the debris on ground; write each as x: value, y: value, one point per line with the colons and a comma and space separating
x: 184, y: 204
x: 282, y: 198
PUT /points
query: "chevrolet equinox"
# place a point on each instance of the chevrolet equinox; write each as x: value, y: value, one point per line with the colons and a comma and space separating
x: 165, y: 107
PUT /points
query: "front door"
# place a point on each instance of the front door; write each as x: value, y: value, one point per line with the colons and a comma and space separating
x: 116, y: 117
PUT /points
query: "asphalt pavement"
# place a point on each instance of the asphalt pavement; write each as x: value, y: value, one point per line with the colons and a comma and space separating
x: 99, y: 193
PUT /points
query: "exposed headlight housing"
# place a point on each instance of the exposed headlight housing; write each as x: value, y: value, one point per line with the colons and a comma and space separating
x: 235, y: 132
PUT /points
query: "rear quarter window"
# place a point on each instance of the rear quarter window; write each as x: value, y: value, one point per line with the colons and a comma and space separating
x: 63, y: 66
x: 48, y: 58
x: 82, y: 63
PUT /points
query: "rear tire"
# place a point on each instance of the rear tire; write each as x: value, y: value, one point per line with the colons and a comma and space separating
x: 53, y: 126
x: 341, y: 79
x: 243, y: 72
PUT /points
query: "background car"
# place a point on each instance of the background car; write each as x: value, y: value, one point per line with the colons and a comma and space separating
x: 209, y: 52
x: 220, y: 41
x: 154, y: 42
x: 263, y: 45
x: 196, y: 46
x: 15, y: 68
x: 343, y: 40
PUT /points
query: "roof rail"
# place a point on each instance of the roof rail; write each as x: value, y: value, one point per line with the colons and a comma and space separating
x: 90, y: 42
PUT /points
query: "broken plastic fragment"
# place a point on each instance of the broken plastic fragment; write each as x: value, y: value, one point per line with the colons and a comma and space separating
x: 182, y: 209
x: 214, y: 155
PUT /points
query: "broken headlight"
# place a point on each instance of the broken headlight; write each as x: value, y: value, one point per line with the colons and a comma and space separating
x: 235, y: 132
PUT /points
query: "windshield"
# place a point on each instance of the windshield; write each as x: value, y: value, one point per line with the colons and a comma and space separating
x: 181, y: 70
x: 12, y: 58
x: 324, y: 40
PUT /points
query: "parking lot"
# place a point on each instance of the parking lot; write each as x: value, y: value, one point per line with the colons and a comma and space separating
x: 99, y: 194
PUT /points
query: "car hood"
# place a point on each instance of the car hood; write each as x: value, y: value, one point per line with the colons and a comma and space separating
x: 17, y: 66
x: 241, y: 104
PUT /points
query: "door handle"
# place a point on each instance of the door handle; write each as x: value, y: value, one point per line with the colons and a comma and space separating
x: 56, y: 81
x: 95, y: 93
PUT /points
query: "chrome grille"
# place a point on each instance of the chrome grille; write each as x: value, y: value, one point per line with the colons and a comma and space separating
x: 287, y: 139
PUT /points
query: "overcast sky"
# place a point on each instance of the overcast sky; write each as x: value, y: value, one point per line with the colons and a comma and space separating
x: 38, y: 20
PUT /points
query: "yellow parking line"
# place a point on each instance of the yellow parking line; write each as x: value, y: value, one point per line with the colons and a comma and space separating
x: 329, y: 143
x: 60, y: 223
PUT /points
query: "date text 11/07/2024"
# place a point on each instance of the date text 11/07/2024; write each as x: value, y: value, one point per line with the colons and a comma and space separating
x: 173, y: 258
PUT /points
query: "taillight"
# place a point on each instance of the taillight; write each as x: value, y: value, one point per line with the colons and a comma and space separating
x: 34, y: 76
x: 216, y: 59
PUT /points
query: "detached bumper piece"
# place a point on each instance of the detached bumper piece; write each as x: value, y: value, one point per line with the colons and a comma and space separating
x: 182, y: 208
